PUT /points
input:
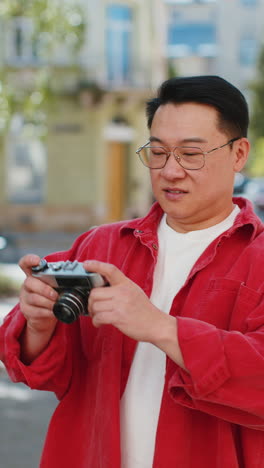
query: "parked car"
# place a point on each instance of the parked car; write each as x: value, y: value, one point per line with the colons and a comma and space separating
x: 3, y: 242
x: 255, y: 192
x: 240, y: 184
x: 8, y: 249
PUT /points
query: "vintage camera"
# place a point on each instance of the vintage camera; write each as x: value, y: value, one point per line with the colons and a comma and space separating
x: 73, y: 284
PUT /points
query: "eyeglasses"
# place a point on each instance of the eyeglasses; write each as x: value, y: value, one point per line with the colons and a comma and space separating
x: 190, y: 158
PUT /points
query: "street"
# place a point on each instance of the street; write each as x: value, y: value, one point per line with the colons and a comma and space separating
x: 24, y: 413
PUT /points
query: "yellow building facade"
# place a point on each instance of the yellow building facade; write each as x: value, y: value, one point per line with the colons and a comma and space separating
x: 85, y: 170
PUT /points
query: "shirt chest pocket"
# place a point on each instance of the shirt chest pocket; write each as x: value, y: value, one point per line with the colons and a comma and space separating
x: 228, y: 304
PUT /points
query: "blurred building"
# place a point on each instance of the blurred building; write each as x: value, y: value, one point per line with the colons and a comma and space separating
x: 220, y: 37
x: 85, y: 171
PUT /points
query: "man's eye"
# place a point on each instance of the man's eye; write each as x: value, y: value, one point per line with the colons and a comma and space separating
x: 157, y: 152
x: 191, y: 153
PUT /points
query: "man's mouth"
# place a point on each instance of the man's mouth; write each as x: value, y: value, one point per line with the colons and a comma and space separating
x: 175, y: 191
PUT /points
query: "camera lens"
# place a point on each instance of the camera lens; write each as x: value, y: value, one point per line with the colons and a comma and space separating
x: 70, y: 305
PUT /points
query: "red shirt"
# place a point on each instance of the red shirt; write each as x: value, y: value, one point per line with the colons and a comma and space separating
x: 211, y: 416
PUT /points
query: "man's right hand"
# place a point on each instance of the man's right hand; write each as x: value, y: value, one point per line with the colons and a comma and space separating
x: 36, y: 304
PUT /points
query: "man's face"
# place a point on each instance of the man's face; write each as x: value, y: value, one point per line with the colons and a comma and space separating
x: 200, y: 198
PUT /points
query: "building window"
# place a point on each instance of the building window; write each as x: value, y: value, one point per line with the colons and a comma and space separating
x: 191, y: 39
x: 119, y: 43
x: 20, y: 46
x: 178, y: 2
x: 182, y: 2
x: 206, y: 1
x: 248, y: 51
x: 249, y: 2
x: 26, y: 163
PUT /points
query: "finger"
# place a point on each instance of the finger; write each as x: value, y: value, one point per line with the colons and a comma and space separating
x: 27, y: 262
x: 38, y: 319
x: 31, y: 312
x: 37, y: 301
x: 97, y: 306
x: 101, y: 319
x: 36, y: 286
x: 111, y: 273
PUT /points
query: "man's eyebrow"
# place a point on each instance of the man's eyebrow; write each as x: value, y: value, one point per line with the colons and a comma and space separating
x: 183, y: 141
x: 153, y: 138
x: 194, y: 140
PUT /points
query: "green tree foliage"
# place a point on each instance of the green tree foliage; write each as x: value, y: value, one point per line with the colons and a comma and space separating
x: 53, y: 23
x: 257, y: 89
x: 171, y: 69
x: 257, y: 164
x: 8, y: 287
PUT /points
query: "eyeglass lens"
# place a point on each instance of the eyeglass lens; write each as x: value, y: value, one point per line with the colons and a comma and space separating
x: 156, y: 157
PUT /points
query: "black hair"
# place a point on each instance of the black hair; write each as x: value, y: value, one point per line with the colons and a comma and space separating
x: 205, y: 89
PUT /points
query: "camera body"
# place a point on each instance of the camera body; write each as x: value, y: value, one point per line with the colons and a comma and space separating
x: 72, y: 282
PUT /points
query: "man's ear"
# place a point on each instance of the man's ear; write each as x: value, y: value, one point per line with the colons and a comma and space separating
x: 241, y: 150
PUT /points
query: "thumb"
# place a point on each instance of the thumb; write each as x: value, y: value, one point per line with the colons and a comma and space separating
x: 110, y: 272
x: 27, y: 262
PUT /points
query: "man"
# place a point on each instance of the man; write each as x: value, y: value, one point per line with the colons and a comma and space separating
x: 168, y: 369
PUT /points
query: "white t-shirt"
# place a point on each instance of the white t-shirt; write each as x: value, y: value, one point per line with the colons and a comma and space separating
x: 140, y: 404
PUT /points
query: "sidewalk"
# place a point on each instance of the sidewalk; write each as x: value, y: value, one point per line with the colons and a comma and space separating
x: 12, y: 270
x: 15, y: 274
x: 25, y: 413
x: 6, y: 305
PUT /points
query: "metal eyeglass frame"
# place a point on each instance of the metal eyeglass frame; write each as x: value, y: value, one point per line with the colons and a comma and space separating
x: 178, y: 158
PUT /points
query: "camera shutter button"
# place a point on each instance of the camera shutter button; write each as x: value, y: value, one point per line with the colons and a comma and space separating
x: 43, y: 265
x: 70, y: 266
x: 56, y: 266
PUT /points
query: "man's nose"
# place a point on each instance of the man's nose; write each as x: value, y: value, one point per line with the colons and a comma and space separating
x: 172, y: 167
